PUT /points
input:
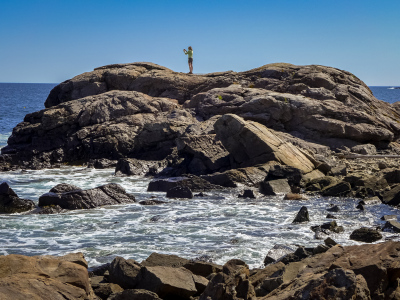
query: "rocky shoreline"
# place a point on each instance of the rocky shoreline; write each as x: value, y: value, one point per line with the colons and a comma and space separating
x: 328, y: 271
x: 276, y: 130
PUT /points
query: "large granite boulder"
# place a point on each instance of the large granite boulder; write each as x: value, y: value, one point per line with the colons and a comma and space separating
x: 251, y: 143
x: 124, y: 272
x: 43, y: 278
x: 168, y: 282
x: 10, y: 202
x: 108, y: 194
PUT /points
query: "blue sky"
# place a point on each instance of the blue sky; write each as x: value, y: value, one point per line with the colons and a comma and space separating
x: 52, y: 41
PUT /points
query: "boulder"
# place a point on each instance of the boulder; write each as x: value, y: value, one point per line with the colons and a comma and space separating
x: 10, y: 202
x: 168, y: 282
x: 321, y: 183
x: 232, y: 283
x: 366, y: 235
x: 250, y: 176
x: 251, y: 143
x: 247, y: 194
x: 104, y: 290
x: 205, y: 153
x: 44, y: 278
x: 109, y: 194
x: 180, y: 192
x: 340, y: 189
x: 64, y: 188
x: 276, y: 253
x: 302, y: 215
x: 275, y: 187
x: 392, y: 197
x: 124, y: 272
x: 164, y: 260
x: 368, y: 271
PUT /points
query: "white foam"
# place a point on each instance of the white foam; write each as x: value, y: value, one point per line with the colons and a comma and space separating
x: 219, y: 225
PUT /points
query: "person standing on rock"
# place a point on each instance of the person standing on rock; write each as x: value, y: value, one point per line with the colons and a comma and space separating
x: 190, y: 58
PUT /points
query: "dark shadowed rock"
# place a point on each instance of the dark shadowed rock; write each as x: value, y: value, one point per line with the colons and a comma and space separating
x: 10, y: 203
x: 366, y: 235
x: 248, y: 194
x: 109, y: 194
x: 124, y: 272
x: 392, y: 225
x: 105, y: 289
x: 340, y: 189
x: 180, y: 192
x: 302, y: 216
x: 392, y: 197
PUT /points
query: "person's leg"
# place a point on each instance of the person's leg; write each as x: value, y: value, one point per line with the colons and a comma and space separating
x: 191, y: 67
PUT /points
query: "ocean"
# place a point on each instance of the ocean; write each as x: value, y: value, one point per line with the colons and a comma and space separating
x: 219, y: 226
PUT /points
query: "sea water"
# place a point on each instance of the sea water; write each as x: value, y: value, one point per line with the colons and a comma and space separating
x: 219, y: 225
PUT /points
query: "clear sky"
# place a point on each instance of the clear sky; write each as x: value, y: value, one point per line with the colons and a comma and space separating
x: 54, y: 40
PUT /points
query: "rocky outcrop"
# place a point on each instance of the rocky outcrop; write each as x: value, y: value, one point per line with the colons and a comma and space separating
x: 112, y: 125
x: 45, y: 278
x: 10, y: 202
x: 135, y: 111
x: 109, y: 194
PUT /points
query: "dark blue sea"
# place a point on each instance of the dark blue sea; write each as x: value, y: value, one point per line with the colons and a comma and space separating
x: 219, y: 225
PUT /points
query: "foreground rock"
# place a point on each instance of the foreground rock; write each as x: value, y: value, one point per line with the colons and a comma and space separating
x: 109, y: 194
x: 10, y: 202
x: 44, y: 278
x: 353, y: 272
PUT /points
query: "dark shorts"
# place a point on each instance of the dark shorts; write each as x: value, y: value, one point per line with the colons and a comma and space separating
x: 190, y: 60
